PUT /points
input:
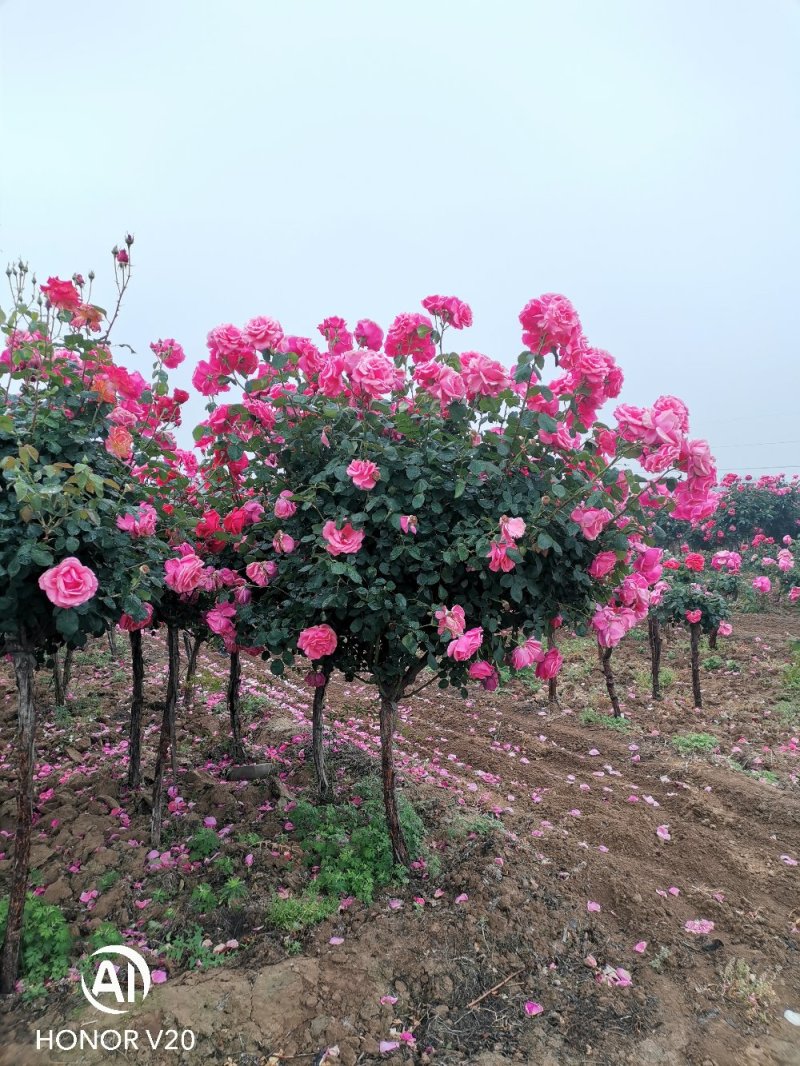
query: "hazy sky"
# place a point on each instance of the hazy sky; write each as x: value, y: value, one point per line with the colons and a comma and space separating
x: 304, y: 158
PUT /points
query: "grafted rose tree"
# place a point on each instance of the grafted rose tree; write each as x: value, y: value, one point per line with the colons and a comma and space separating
x: 67, y: 571
x: 428, y: 511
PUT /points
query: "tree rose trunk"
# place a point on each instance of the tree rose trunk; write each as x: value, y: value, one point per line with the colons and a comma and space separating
x: 24, y: 669
x: 324, y: 786
x: 388, y: 712
x: 604, y: 654
x: 694, y: 628
x: 137, y: 703
x: 234, y: 680
x: 192, y: 651
x: 58, y: 681
x: 712, y: 638
x: 165, y: 740
x: 654, y: 636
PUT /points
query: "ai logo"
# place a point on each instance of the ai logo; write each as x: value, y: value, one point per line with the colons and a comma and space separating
x: 107, y: 979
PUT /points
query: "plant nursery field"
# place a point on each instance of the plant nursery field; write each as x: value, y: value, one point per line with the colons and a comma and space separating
x: 586, y: 889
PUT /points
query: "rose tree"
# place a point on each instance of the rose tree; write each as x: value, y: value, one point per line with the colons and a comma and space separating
x: 67, y: 571
x: 427, y: 510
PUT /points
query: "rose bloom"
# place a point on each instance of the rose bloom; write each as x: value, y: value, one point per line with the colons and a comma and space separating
x: 694, y: 561
x: 550, y: 665
x: 284, y: 508
x: 512, y: 528
x: 220, y: 620
x: 373, y: 374
x: 591, y: 520
x: 450, y: 310
x: 368, y: 334
x: 603, y: 564
x: 263, y: 332
x: 694, y: 616
x: 724, y: 629
x: 184, y: 575
x: 142, y: 524
x: 61, y: 294
x: 344, y: 541
x: 408, y: 523
x: 451, y: 620
x: 499, y: 560
x: 283, y: 543
x: 364, y: 473
x: 527, y: 654
x: 261, y: 573
x: 169, y: 352
x: 127, y: 624
x: 762, y: 584
x: 119, y: 442
x: 317, y: 641
x: 465, y: 646
x: 69, y: 584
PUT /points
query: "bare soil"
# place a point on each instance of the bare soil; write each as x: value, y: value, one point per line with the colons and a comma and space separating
x: 530, y: 813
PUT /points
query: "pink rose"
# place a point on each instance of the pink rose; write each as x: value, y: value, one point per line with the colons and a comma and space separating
x: 69, y: 584
x: 498, y: 558
x: 511, y: 528
x: 694, y: 616
x: 451, y: 620
x: 550, y: 665
x: 344, y: 541
x: 261, y: 573
x: 263, y: 333
x: 220, y: 620
x: 603, y: 564
x: 374, y: 374
x: 283, y: 543
x: 284, y: 508
x: 184, y: 575
x: 762, y: 584
x: 368, y: 334
x: 724, y: 629
x: 527, y: 654
x: 317, y: 641
x: 466, y: 645
x: 408, y: 523
x: 365, y: 474
x: 592, y: 520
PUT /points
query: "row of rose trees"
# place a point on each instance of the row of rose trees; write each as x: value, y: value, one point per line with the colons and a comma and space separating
x: 378, y: 504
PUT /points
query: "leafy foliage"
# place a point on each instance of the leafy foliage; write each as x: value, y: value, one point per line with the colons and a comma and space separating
x: 46, y: 940
x: 351, y: 844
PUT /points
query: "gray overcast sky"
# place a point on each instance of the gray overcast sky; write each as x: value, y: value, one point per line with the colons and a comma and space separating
x: 308, y: 158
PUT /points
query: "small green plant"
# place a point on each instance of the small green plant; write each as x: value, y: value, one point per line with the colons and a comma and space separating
x: 298, y: 912
x: 203, y: 843
x: 713, y: 662
x: 233, y: 892
x: 63, y: 716
x: 695, y: 743
x: 103, y: 936
x: 351, y: 844
x: 193, y: 950
x: 253, y: 705
x: 477, y: 825
x: 754, y: 991
x: 791, y: 676
x: 666, y: 677
x: 250, y: 840
x: 203, y: 898
x: 608, y: 721
x: 108, y: 880
x: 293, y: 947
x: 224, y: 865
x: 788, y: 711
x: 160, y: 895
x: 765, y: 775
x: 46, y: 941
